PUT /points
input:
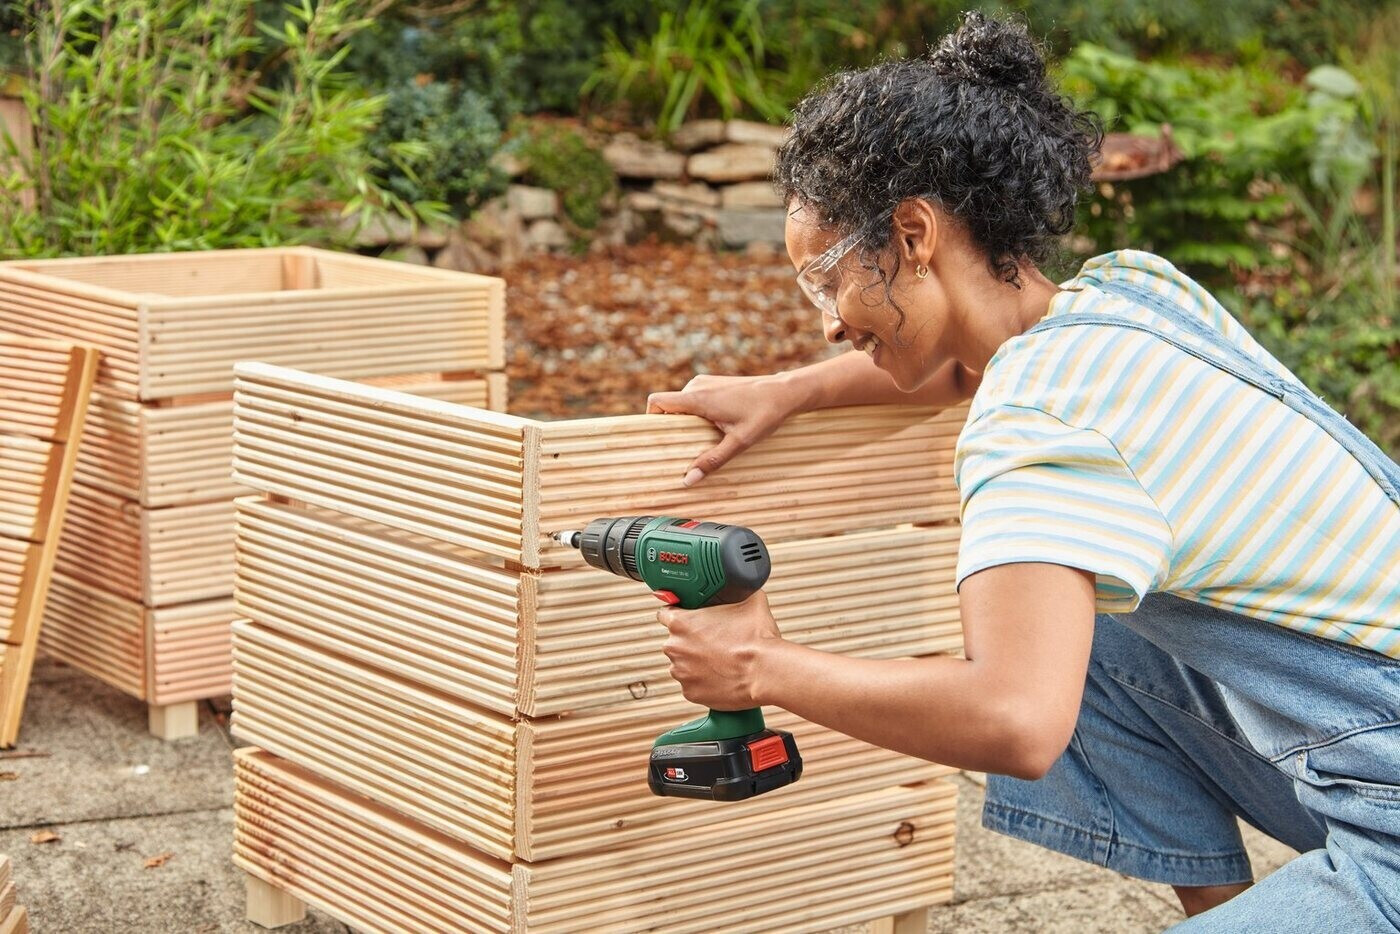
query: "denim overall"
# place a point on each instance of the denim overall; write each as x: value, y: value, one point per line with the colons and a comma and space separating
x: 1193, y: 716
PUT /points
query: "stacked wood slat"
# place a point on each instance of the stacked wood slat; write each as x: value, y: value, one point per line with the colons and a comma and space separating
x: 151, y: 517
x: 44, y: 390
x: 13, y: 918
x: 453, y: 715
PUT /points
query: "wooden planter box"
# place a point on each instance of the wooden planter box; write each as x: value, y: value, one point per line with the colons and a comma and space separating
x: 793, y: 870
x: 152, y: 515
x: 414, y: 638
x: 174, y: 324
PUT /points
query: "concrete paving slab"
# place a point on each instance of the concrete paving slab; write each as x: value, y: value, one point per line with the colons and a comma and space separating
x: 102, y: 763
x: 1119, y: 906
x: 95, y: 877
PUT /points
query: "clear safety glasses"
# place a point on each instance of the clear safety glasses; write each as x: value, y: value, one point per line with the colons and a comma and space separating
x: 818, y: 279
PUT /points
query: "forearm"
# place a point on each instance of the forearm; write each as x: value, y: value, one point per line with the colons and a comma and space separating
x: 854, y: 379
x: 944, y: 709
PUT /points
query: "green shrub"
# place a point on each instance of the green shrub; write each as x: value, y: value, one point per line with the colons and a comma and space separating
x: 187, y: 124
x: 562, y: 160
x: 456, y: 136
x: 1245, y: 132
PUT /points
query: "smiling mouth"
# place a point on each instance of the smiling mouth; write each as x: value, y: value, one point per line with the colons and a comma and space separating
x: 869, y: 345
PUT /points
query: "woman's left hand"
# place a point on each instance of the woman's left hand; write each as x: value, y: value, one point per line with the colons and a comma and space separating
x: 717, y: 652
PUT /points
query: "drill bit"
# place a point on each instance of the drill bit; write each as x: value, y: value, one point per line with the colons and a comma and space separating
x: 569, y: 538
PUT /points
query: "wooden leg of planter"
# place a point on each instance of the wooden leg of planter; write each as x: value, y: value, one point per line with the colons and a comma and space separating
x: 174, y: 721
x: 910, y: 922
x: 271, y: 907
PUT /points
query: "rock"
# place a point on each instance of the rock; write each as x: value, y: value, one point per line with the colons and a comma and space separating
x: 634, y: 158
x: 682, y: 224
x: 642, y: 201
x: 509, y: 163
x: 384, y: 230
x: 741, y: 226
x: 750, y: 195
x: 413, y: 254
x: 693, y: 193
x: 532, y: 203
x: 757, y: 134
x: 697, y: 134
x: 732, y: 162
x: 547, y: 234
x: 431, y: 237
x: 462, y: 255
x: 488, y: 225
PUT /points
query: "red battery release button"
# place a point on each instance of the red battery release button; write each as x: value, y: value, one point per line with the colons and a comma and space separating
x: 767, y: 752
x: 666, y: 597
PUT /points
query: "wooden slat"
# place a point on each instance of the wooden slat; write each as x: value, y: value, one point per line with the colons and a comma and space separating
x: 448, y: 471
x: 189, y: 651
x: 179, y: 454
x: 174, y: 324
x: 581, y: 781
x: 376, y: 870
x: 36, y: 396
x: 96, y: 632
x: 159, y: 557
x: 456, y: 474
x: 36, y: 474
x: 463, y: 627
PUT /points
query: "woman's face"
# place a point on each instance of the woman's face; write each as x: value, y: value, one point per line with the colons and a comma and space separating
x: 907, y: 345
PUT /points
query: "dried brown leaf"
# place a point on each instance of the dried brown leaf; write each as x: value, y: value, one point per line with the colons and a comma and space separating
x: 44, y: 836
x: 155, y: 862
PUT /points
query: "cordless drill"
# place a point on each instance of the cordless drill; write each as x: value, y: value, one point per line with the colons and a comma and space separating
x: 726, y: 755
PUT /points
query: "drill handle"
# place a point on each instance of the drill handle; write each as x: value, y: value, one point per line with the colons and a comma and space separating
x: 715, y: 725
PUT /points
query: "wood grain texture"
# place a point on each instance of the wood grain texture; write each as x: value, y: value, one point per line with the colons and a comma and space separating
x: 499, y: 484
x: 173, y: 324
x: 39, y: 430
x: 533, y: 789
x: 375, y: 870
x: 568, y: 639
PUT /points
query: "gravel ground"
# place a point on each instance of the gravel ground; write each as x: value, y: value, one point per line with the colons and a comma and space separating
x: 593, y: 335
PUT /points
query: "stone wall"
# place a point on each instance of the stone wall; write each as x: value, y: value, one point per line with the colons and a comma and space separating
x: 710, y: 185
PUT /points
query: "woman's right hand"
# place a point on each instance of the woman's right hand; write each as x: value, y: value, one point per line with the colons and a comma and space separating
x: 746, y: 409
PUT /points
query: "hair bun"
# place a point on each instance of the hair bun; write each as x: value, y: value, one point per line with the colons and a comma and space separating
x: 992, y: 52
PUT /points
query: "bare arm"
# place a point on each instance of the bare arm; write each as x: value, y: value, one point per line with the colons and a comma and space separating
x: 854, y: 379
x: 1009, y: 707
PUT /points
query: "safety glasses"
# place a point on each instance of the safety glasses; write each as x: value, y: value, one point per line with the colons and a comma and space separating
x: 818, y: 279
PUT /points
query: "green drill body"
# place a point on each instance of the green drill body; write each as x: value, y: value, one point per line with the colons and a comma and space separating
x: 726, y: 754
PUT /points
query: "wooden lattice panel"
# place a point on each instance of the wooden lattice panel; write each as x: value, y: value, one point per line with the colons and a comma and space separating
x: 794, y: 870
x: 173, y: 324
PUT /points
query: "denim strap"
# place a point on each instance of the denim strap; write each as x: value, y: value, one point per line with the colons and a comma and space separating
x: 1210, y: 346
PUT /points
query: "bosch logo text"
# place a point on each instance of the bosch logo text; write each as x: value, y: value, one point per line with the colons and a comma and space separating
x: 672, y: 557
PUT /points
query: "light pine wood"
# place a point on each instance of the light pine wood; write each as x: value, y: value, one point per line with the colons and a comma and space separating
x: 545, y: 643
x: 39, y: 430
x: 173, y: 324
x: 536, y: 789
x: 909, y: 922
x: 372, y: 868
x: 271, y: 907
x: 16, y: 922
x: 500, y: 484
x: 163, y: 655
x: 173, y: 721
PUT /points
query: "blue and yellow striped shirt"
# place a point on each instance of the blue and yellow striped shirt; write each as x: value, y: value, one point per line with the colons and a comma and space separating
x: 1109, y: 450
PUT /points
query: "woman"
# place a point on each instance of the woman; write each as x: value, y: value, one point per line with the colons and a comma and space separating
x: 1178, y: 576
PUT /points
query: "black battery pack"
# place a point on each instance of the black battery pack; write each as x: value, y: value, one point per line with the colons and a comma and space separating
x: 726, y: 769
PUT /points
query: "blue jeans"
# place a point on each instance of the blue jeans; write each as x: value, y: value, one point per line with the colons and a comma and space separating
x: 1194, y: 716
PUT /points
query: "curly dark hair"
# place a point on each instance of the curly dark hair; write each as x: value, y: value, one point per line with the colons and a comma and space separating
x: 976, y: 128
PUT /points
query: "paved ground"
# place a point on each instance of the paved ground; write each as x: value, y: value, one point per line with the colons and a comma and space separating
x: 119, y: 798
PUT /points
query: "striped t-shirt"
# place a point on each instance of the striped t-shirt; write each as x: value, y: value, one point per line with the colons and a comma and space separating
x: 1109, y: 450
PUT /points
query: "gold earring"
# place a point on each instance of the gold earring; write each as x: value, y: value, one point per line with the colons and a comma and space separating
x: 921, y: 271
